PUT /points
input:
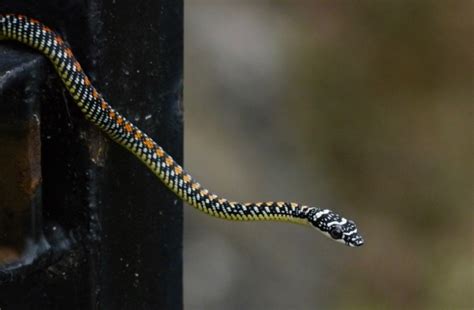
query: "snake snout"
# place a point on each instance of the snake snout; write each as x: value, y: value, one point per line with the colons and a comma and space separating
x: 355, y: 240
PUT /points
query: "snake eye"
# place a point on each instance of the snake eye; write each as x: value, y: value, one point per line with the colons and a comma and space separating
x: 336, y: 232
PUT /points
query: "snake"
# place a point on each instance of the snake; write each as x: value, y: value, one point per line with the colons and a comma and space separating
x: 95, y: 108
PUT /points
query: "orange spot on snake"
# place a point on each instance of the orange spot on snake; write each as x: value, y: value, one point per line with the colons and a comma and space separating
x: 69, y: 52
x: 160, y: 152
x: 119, y: 120
x: 128, y: 127
x: 178, y: 170
x: 148, y: 143
x: 138, y: 135
x: 169, y: 161
x: 104, y: 105
x: 186, y: 178
x: 77, y: 65
x: 59, y: 40
x: 112, y: 114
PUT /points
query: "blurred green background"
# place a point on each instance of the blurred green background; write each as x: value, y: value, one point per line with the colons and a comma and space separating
x: 364, y: 107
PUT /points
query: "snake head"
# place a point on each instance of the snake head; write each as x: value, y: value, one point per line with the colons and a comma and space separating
x: 335, y: 227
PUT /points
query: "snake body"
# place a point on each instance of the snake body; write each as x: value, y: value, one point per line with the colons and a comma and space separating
x: 38, y: 36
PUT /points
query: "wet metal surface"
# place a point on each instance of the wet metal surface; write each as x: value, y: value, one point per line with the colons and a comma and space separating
x: 106, y: 233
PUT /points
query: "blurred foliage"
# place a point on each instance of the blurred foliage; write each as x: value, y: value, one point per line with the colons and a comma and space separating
x: 373, y: 97
x: 385, y: 101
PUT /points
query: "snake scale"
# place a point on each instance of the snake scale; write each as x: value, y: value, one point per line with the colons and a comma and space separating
x: 38, y: 36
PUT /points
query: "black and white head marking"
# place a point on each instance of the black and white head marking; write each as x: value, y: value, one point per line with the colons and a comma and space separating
x: 335, y: 227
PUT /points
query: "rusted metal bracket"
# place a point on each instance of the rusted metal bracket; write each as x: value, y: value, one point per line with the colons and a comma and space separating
x: 21, y: 76
x: 83, y: 223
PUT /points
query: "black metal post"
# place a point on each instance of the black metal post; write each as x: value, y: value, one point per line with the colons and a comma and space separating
x: 107, y: 233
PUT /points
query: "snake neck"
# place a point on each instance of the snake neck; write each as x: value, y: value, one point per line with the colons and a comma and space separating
x: 260, y: 211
